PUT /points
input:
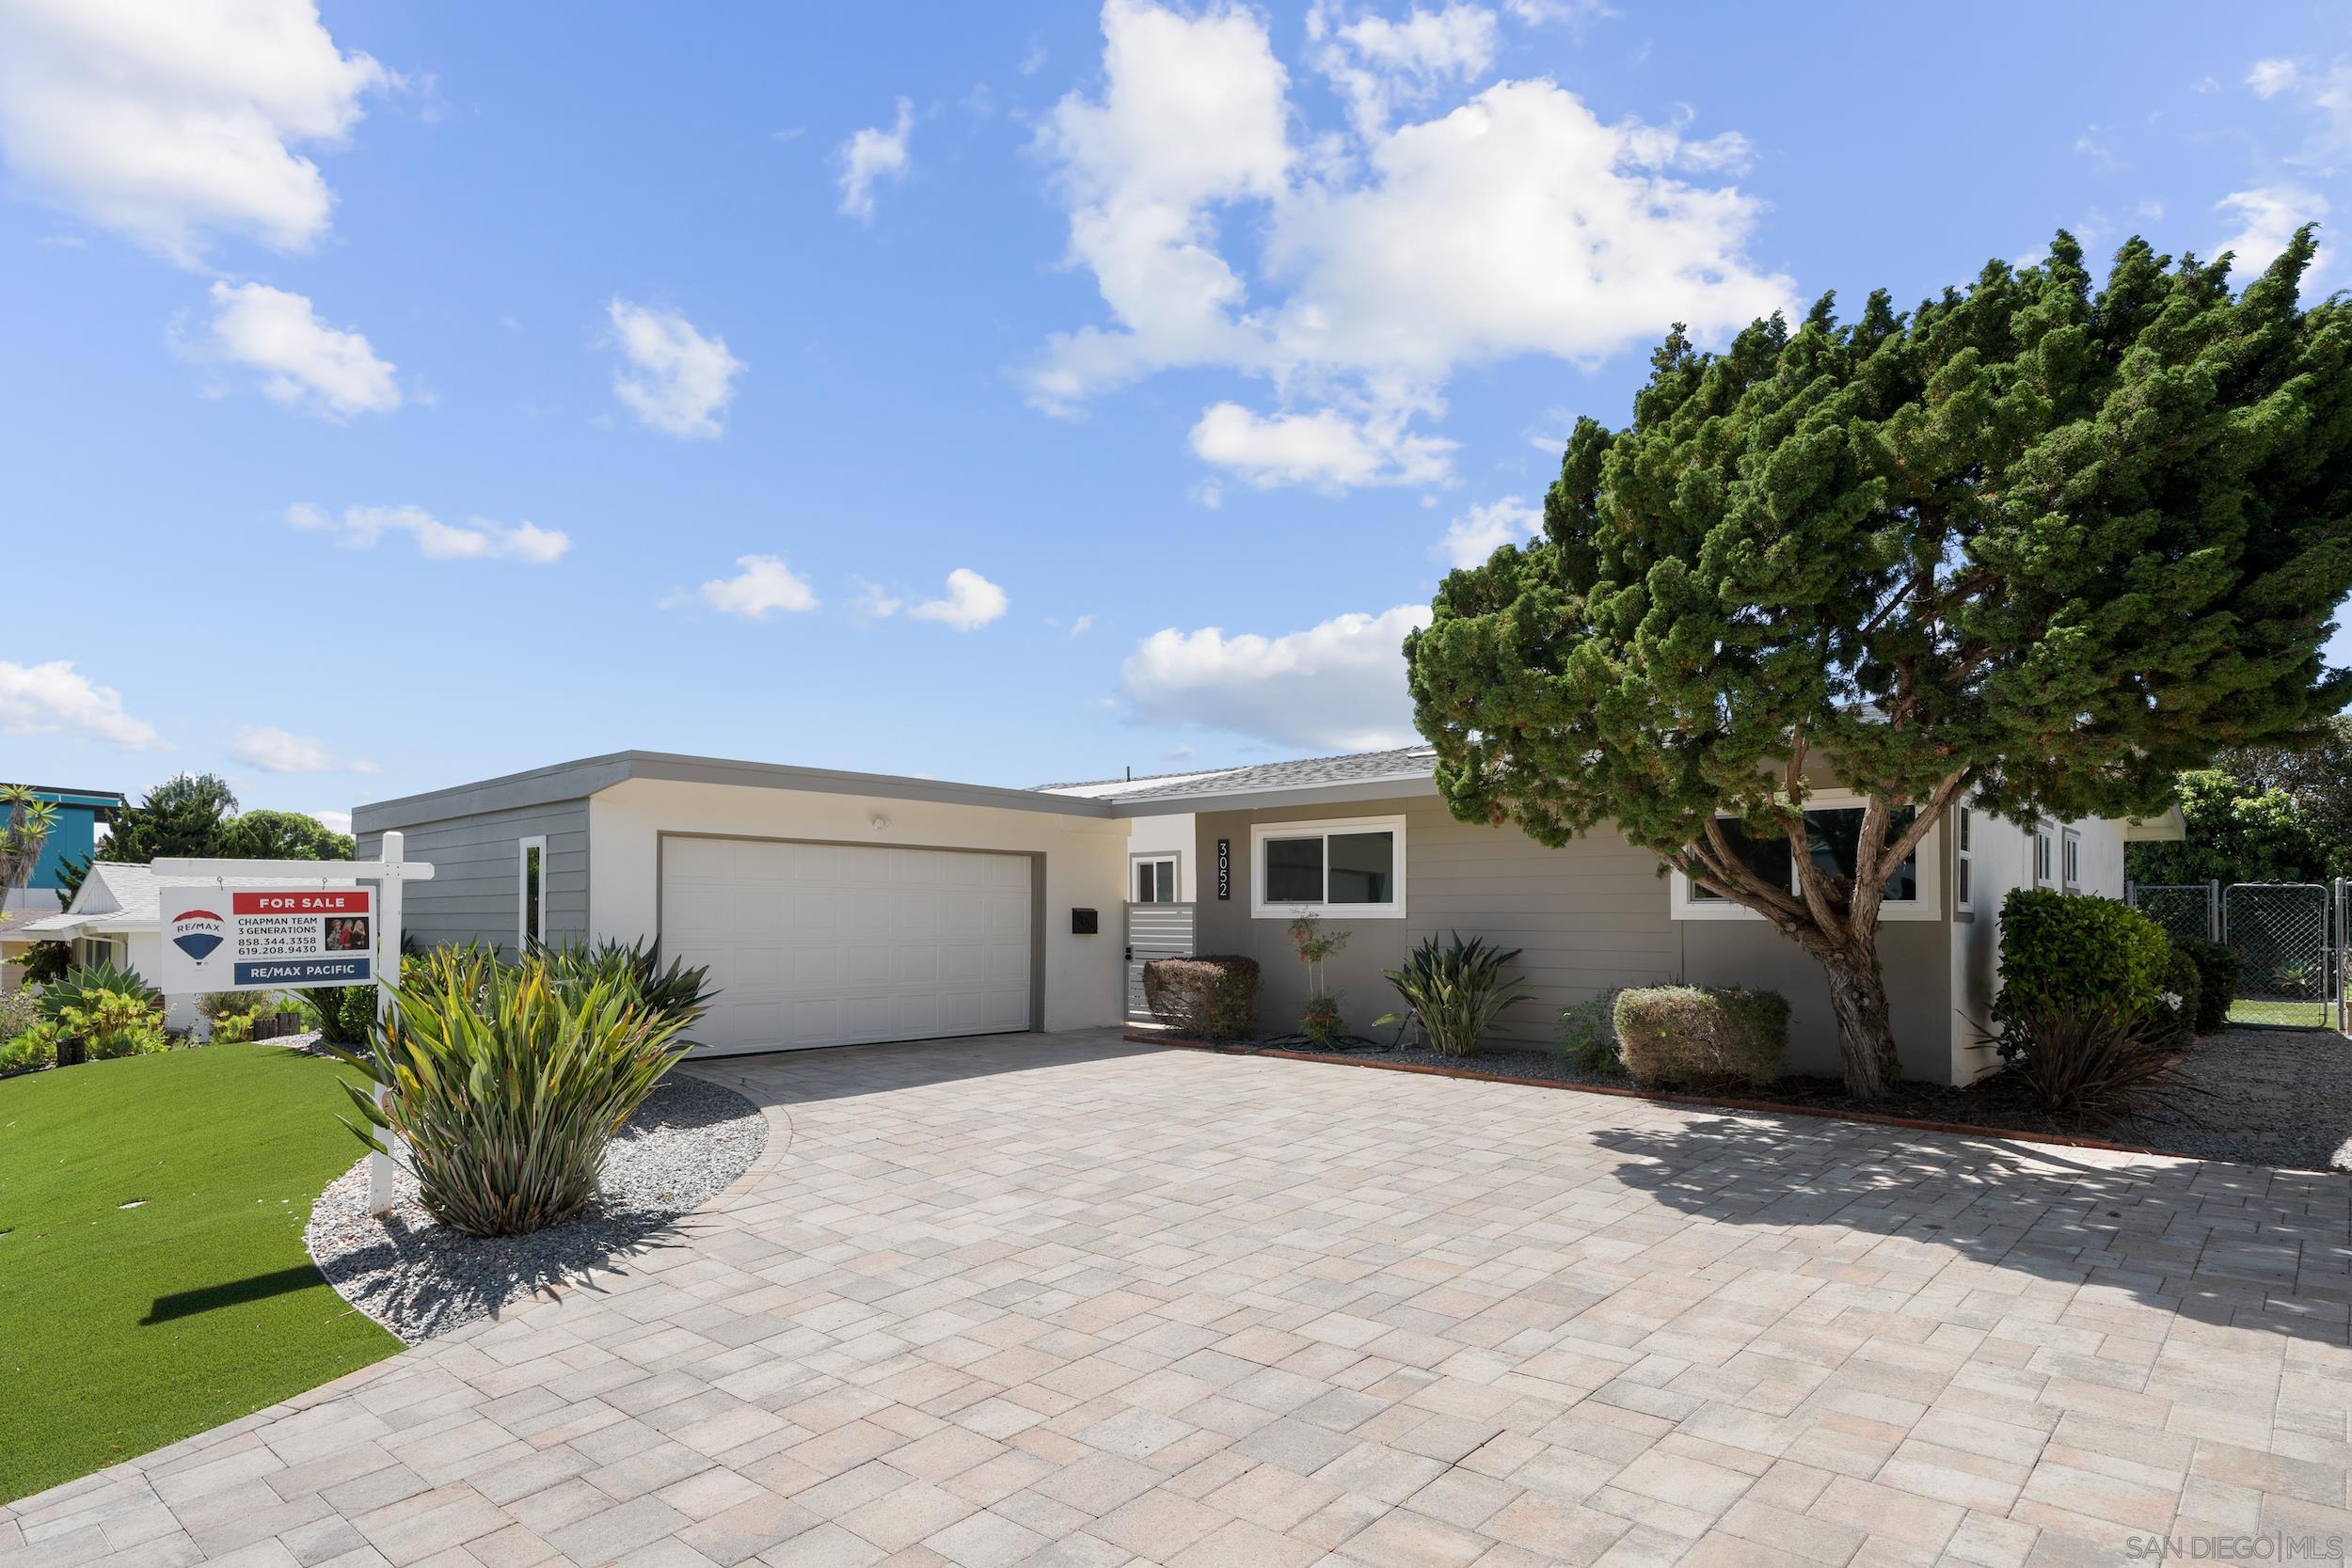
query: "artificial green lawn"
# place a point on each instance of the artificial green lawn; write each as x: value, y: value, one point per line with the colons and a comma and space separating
x: 124, y: 1329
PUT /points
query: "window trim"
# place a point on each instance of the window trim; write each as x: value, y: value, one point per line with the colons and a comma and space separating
x: 2070, y: 859
x: 1153, y: 857
x: 2044, y: 856
x: 1260, y: 833
x: 1926, y: 905
x: 1963, y: 859
x: 523, y: 847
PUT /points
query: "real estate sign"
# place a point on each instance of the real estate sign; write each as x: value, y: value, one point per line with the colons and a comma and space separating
x: 266, y: 938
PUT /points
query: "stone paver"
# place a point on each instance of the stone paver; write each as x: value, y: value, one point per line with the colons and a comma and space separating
x: 1063, y: 1301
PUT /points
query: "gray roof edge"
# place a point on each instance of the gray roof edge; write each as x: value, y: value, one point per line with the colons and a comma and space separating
x: 536, y: 786
x: 1391, y: 787
x: 571, y: 781
x: 830, y: 781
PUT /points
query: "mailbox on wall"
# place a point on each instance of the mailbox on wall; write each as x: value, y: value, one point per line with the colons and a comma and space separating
x: 1084, y: 923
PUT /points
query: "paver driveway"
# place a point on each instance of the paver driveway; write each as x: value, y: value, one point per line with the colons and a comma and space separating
x: 1067, y: 1302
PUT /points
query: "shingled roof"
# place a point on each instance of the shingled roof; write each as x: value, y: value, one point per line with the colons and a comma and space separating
x: 1401, y: 764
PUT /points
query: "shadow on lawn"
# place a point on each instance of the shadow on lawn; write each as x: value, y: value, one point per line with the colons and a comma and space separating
x: 2213, y: 1243
x: 235, y: 1292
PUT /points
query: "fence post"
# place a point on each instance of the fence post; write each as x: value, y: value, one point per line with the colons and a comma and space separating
x: 2213, y: 930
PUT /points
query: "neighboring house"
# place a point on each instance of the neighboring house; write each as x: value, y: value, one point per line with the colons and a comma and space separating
x: 840, y: 907
x: 79, y: 823
x: 116, y: 918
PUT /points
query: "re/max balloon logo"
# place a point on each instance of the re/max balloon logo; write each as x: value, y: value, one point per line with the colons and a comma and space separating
x: 197, y: 932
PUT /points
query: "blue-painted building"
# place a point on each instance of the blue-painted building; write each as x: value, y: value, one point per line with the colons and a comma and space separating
x: 72, y: 835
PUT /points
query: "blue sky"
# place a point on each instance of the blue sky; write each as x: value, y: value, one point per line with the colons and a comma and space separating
x: 400, y: 395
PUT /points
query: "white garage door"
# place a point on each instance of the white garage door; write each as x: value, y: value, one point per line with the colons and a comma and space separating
x: 846, y: 943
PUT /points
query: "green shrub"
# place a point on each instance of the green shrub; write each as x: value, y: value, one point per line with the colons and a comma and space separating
x: 79, y: 984
x: 674, y: 993
x: 2080, y: 1059
x: 231, y: 1029
x: 1701, y: 1034
x: 31, y: 1047
x: 1455, y: 991
x: 1588, y: 1034
x: 213, y: 1005
x: 45, y: 961
x: 20, y: 1009
x: 2217, y: 979
x: 111, y: 1024
x: 1211, y: 997
x: 507, y: 1082
x: 2071, y: 947
x: 2173, y: 1019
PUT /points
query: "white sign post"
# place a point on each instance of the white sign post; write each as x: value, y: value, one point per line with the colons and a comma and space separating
x: 291, y: 925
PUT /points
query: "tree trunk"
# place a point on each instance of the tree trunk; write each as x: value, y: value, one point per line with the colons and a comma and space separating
x: 1865, y: 1037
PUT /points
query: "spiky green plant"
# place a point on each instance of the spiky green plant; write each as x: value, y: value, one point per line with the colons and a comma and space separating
x: 1455, y: 991
x: 80, y: 985
x: 673, y: 992
x: 507, y: 1082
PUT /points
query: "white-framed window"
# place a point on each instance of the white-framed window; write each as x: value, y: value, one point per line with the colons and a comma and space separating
x: 1151, y: 878
x: 2042, y: 854
x: 2070, y: 860
x: 530, y: 891
x: 1352, y: 866
x: 1833, y: 831
x: 1963, y: 859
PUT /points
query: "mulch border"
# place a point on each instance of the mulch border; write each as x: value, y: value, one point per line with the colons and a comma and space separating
x: 1716, y: 1102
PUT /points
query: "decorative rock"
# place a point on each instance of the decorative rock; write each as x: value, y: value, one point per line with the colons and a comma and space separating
x: 684, y: 1145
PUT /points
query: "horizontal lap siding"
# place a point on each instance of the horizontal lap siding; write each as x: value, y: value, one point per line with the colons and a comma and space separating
x: 1588, y: 916
x: 474, y: 894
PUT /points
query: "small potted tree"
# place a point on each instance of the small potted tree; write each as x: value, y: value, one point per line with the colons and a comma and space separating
x: 1319, y: 1022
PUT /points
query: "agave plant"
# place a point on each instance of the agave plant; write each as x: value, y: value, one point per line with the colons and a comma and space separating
x: 83, y: 983
x: 676, y: 991
x: 1455, y: 991
x: 507, y: 1082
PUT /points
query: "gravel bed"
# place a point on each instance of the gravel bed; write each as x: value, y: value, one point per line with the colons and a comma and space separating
x: 2262, y: 1097
x: 419, y: 1278
x: 2272, y: 1097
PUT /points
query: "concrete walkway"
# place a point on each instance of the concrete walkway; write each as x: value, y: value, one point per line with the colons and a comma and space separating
x: 1070, y: 1303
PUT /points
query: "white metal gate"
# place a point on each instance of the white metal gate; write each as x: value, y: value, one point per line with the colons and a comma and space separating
x: 1154, y: 931
x: 2289, y: 938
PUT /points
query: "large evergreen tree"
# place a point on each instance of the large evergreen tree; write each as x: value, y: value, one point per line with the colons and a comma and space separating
x: 195, y: 815
x: 2035, y: 543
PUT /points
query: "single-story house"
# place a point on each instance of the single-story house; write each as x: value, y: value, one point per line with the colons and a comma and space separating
x: 840, y: 909
x: 115, y: 917
x: 78, y: 821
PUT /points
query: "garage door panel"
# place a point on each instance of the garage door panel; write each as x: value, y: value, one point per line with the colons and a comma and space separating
x: 836, y: 945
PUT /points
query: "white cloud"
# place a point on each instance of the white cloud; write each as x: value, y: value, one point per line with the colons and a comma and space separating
x: 476, y: 539
x: 676, y: 380
x: 276, y: 751
x: 1476, y: 534
x: 1578, y: 14
x: 54, y: 698
x: 1377, y: 65
x: 972, y: 601
x: 304, y: 363
x: 333, y: 821
x: 1515, y: 223
x: 2269, y: 78
x: 1340, y: 685
x: 176, y: 122
x: 1325, y: 449
x: 2268, y: 218
x: 873, y: 602
x: 874, y: 154
x: 2324, y: 94
x: 762, y: 584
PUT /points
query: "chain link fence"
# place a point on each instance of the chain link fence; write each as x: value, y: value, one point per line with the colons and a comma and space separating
x: 2288, y: 937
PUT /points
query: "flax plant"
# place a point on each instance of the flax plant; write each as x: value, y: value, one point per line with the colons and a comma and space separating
x: 506, y: 1082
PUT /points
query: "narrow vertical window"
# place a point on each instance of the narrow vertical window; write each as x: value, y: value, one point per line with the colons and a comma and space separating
x: 1963, y: 859
x: 2073, y: 860
x: 531, y: 876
